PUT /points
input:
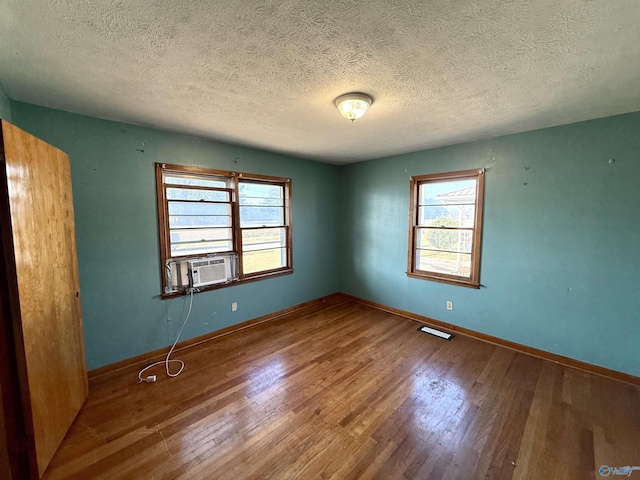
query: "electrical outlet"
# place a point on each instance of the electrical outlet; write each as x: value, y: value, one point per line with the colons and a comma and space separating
x: 449, y: 305
x: 234, y: 306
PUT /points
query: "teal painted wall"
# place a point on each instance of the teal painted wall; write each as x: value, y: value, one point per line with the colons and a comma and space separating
x: 113, y: 178
x: 5, y: 106
x: 561, y: 242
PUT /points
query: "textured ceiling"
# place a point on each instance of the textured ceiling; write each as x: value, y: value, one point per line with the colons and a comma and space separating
x: 265, y: 73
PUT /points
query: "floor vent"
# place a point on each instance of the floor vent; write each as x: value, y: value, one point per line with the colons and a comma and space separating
x: 436, y: 333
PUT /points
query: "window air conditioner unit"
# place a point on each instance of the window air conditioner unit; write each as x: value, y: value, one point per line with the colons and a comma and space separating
x: 209, y: 271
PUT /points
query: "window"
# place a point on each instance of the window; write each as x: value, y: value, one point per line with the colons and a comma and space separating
x: 203, y: 212
x: 263, y: 225
x: 445, y: 227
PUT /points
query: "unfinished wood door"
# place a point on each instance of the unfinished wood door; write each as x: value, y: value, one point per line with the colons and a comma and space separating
x: 44, y: 292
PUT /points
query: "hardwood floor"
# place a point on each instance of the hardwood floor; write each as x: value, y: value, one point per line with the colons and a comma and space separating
x: 340, y: 390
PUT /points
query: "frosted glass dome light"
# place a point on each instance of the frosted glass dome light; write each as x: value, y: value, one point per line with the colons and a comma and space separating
x: 353, y: 105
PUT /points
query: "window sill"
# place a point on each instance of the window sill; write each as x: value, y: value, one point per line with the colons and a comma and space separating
x: 449, y: 281
x: 247, y: 279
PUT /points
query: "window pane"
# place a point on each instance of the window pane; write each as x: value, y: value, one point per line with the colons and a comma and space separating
x: 199, y: 248
x: 447, y: 240
x: 263, y: 238
x: 447, y: 216
x: 194, y: 241
x: 197, y: 195
x: 458, y: 264
x: 261, y: 216
x: 260, y: 260
x: 448, y: 192
x: 198, y: 221
x: 202, y: 235
x: 262, y: 201
x: 190, y: 208
x: 260, y: 190
x: 196, y: 181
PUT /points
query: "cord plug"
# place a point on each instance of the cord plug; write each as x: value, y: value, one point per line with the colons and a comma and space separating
x: 150, y: 379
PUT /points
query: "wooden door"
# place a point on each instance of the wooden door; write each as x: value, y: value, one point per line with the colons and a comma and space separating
x: 43, y: 291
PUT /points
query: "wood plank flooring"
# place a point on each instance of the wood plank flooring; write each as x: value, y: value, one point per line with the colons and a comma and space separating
x: 340, y: 390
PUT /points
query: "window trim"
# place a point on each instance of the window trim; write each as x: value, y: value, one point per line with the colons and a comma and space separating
x: 266, y: 180
x: 235, y: 179
x: 476, y: 246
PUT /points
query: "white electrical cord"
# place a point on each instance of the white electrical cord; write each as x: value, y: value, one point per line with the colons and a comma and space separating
x: 167, y: 361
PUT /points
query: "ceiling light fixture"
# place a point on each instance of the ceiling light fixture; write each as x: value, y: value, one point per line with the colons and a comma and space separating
x: 353, y: 105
